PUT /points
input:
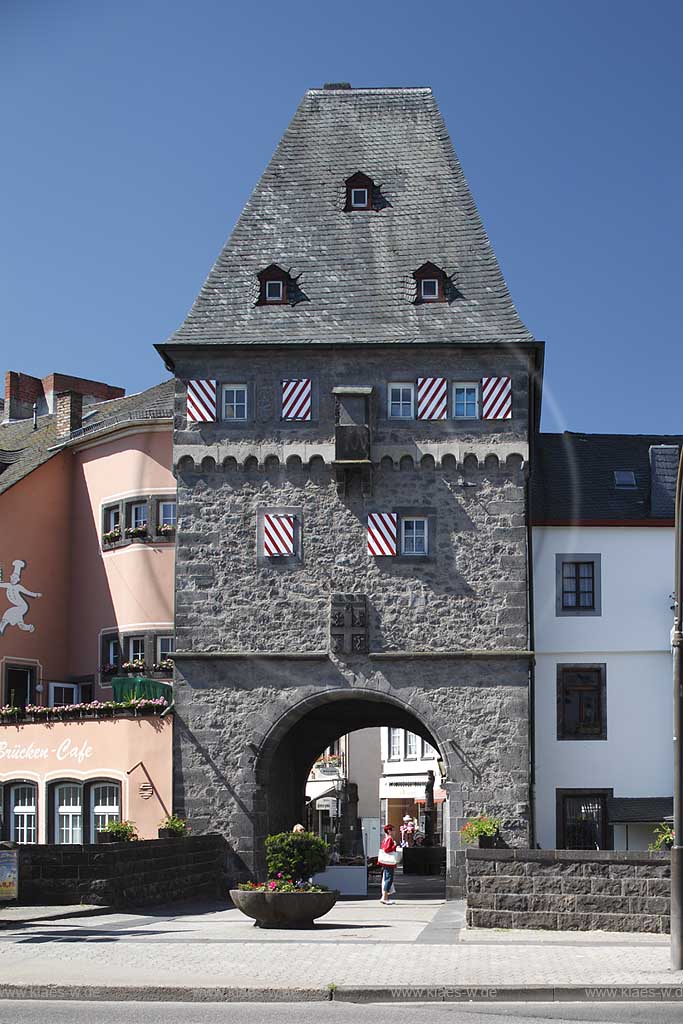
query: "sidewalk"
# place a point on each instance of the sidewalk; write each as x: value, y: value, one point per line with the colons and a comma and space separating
x: 416, y: 949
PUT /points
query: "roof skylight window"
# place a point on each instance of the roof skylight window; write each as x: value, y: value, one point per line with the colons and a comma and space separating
x: 625, y: 479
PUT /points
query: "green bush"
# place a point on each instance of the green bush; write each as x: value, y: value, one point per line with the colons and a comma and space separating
x: 176, y: 825
x: 295, y: 855
x: 664, y: 837
x: 124, y: 831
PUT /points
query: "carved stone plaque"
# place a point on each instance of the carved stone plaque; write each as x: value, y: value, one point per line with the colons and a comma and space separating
x: 348, y: 624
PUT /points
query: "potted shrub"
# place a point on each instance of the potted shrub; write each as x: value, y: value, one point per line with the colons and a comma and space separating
x: 288, y: 899
x: 118, y: 832
x: 173, y: 827
x: 482, y: 829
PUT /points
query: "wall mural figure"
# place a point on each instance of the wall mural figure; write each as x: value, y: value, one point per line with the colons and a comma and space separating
x: 16, y: 593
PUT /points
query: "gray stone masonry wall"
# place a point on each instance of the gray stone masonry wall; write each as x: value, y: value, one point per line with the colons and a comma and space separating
x: 126, y: 874
x: 569, y: 890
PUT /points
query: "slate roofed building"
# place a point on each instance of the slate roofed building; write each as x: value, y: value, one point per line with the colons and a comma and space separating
x: 603, y: 545
x: 87, y: 507
x: 355, y: 395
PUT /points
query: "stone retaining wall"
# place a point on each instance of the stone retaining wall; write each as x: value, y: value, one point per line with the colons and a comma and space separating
x: 126, y: 874
x: 569, y: 890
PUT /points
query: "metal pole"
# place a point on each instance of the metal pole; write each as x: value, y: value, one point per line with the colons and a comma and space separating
x: 676, y: 641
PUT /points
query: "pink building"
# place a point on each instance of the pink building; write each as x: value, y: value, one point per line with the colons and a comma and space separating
x: 87, y: 542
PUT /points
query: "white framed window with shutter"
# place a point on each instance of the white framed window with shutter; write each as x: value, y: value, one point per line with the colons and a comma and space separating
x: 401, y: 401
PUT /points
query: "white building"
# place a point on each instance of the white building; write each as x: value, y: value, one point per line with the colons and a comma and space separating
x: 406, y: 760
x: 603, y: 546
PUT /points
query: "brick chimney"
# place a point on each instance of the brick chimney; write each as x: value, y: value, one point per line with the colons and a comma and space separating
x: 69, y: 412
x: 21, y: 391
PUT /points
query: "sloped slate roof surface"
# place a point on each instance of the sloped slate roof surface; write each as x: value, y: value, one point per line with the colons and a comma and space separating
x: 23, y: 449
x: 573, y: 478
x: 622, y: 810
x: 354, y: 270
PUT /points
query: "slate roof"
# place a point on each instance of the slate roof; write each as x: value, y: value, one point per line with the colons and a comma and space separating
x: 573, y: 477
x: 23, y: 449
x: 354, y: 270
x: 624, y: 810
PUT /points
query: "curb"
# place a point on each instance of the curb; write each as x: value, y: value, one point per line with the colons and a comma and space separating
x: 348, y: 993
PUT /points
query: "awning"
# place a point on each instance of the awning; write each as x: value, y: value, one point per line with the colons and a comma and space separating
x: 439, y: 797
x: 632, y: 809
x: 128, y: 687
x: 319, y: 788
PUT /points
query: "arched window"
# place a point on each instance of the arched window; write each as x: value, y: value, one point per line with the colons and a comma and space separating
x: 23, y: 800
x: 105, y: 806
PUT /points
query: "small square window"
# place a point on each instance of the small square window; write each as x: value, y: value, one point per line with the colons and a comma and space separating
x: 625, y: 479
x: 429, y: 288
x: 401, y: 401
x: 581, y: 702
x: 359, y: 198
x: 136, y: 648
x: 413, y: 536
x: 466, y: 401
x: 235, y: 397
x: 273, y: 291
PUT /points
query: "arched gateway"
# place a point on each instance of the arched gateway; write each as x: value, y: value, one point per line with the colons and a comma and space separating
x: 354, y: 398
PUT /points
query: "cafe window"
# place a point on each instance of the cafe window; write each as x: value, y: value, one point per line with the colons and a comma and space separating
x: 105, y: 806
x: 23, y: 801
x: 68, y: 813
x: 395, y: 744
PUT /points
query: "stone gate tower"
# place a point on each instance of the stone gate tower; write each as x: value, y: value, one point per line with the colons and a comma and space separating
x: 355, y: 393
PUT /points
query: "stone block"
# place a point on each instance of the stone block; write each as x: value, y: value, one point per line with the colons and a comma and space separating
x: 552, y: 903
x: 481, y: 901
x: 545, y: 883
x: 634, y: 887
x: 658, y: 887
x: 593, y: 904
x: 502, y: 883
x: 595, y: 870
x: 622, y: 871
x: 572, y: 885
x: 535, y: 920
x: 653, y: 870
x: 648, y: 905
x: 489, y: 919
x: 508, y: 867
x: 606, y: 886
x: 508, y: 901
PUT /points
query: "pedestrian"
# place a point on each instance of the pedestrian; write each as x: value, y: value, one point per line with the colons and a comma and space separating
x: 388, y: 858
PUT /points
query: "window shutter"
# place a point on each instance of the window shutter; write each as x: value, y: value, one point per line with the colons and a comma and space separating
x: 432, y: 398
x: 278, y: 535
x: 382, y: 533
x: 201, y: 401
x: 296, y: 399
x: 496, y: 395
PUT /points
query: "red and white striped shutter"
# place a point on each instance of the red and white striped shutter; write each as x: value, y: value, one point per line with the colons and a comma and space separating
x: 201, y: 401
x: 296, y: 399
x: 432, y: 398
x: 382, y: 533
x: 278, y: 535
x: 496, y: 398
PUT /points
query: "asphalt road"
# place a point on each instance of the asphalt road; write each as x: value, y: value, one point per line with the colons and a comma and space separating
x: 30, y: 1012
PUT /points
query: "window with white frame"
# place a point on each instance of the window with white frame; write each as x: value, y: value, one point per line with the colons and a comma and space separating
x: 414, y: 534
x: 359, y: 198
x: 428, y: 750
x: 63, y: 693
x: 165, y: 646
x: 105, y: 806
x: 235, y: 395
x: 273, y: 291
x: 411, y: 744
x: 466, y: 401
x: 68, y: 813
x: 429, y: 288
x: 112, y: 518
x: 136, y: 648
x: 23, y: 799
x: 167, y: 513
x: 401, y: 401
x: 395, y: 744
x: 138, y: 514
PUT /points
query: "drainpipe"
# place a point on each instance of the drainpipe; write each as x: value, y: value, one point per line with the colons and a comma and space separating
x: 676, y: 641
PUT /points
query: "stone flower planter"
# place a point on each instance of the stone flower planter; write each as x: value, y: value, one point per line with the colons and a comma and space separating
x: 283, y: 909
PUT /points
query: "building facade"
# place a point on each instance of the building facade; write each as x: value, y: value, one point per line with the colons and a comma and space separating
x: 87, y: 504
x: 603, y: 552
x: 355, y: 394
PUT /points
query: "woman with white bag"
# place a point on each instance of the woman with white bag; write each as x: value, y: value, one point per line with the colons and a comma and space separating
x: 389, y: 856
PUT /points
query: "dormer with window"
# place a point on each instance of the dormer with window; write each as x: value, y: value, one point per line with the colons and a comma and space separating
x: 273, y: 286
x: 359, y: 191
x: 430, y: 283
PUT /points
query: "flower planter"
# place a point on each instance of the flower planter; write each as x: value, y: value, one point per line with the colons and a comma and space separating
x: 169, y: 833
x: 487, y: 842
x: 283, y: 909
x: 106, y: 837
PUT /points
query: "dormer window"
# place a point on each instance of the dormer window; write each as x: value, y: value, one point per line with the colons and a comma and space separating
x: 430, y: 283
x: 273, y: 282
x: 358, y: 192
x: 273, y: 291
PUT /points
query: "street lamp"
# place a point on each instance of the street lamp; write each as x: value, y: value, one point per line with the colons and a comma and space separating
x: 676, y: 642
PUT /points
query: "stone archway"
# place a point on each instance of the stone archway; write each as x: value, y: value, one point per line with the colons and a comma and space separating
x: 285, y: 757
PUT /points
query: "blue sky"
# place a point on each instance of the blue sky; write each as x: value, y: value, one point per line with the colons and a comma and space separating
x: 133, y: 132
